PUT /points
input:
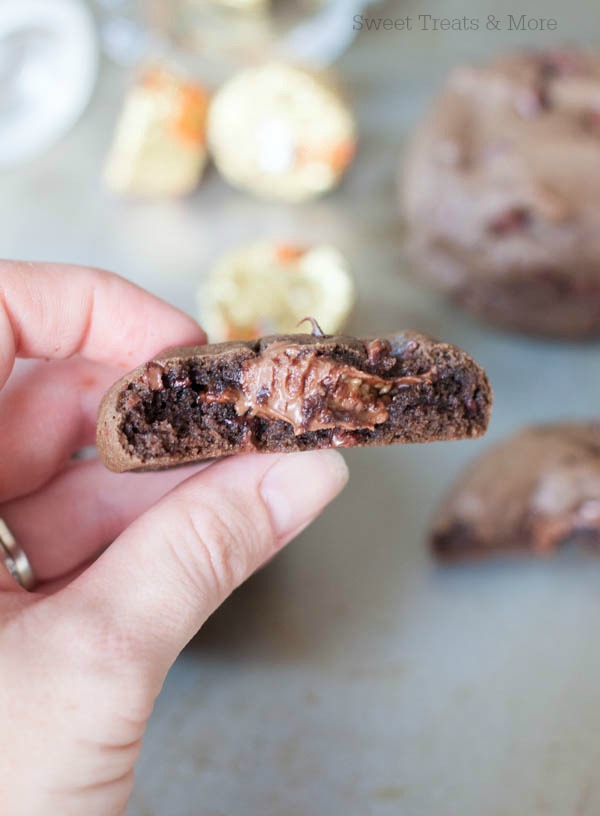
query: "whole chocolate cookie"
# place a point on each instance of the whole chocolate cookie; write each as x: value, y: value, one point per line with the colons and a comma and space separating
x: 534, y: 491
x: 501, y: 190
x: 290, y: 393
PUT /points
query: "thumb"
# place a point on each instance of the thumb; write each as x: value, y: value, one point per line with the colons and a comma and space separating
x: 162, y: 578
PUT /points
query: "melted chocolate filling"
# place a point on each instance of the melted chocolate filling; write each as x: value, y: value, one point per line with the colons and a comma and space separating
x: 313, y: 392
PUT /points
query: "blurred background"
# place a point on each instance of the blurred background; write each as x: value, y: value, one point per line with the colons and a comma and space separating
x: 352, y: 675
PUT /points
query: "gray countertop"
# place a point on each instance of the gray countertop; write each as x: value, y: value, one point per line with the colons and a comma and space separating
x: 353, y: 676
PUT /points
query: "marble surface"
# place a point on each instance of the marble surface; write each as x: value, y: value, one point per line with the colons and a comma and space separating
x: 353, y: 676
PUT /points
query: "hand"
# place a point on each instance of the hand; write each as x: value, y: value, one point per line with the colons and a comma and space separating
x: 83, y: 657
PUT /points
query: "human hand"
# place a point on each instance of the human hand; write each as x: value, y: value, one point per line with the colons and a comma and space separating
x: 83, y: 657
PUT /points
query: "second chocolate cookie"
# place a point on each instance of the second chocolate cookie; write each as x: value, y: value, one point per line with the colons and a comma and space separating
x: 501, y: 190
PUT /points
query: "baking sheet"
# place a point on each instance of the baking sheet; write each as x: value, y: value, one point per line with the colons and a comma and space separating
x: 352, y: 675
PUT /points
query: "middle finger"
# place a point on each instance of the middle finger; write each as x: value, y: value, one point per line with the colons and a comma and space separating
x: 74, y: 517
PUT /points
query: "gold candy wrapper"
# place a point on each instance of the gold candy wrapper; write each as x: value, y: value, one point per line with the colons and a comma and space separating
x: 281, y: 132
x: 267, y: 288
x: 159, y: 148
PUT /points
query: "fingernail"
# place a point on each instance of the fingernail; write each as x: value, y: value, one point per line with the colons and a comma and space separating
x: 298, y: 487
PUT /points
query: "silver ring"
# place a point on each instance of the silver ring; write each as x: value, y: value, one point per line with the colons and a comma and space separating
x: 15, y: 559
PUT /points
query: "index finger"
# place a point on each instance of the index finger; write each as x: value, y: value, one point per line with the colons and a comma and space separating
x: 58, y: 310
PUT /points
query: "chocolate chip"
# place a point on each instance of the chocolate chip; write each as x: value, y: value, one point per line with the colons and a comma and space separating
x: 562, y: 63
x: 510, y: 220
x: 532, y: 102
x: 378, y: 352
x: 471, y: 405
x: 591, y: 121
x: 153, y: 377
x: 131, y: 401
x: 182, y: 381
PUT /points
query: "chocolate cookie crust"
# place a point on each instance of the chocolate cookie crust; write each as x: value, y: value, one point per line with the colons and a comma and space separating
x: 290, y: 393
x: 531, y: 493
x: 501, y: 190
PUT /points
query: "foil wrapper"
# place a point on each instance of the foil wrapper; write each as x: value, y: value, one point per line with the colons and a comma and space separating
x: 159, y: 147
x: 281, y: 132
x: 268, y: 287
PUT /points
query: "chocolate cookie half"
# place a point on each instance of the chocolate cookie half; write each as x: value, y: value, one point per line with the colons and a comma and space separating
x: 532, y: 493
x: 290, y: 393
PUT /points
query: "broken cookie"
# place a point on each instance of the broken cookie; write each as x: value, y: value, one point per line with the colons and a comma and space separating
x: 291, y: 393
